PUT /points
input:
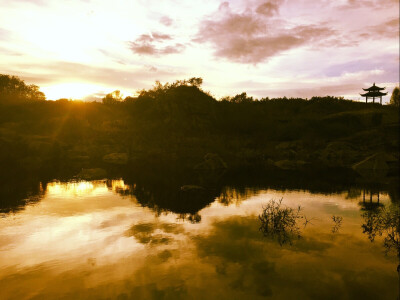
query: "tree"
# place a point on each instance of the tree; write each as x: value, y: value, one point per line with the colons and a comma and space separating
x: 130, y: 99
x: 395, y: 98
x: 113, y: 97
x: 195, y: 81
x: 160, y: 89
x: 14, y: 89
x: 239, y: 98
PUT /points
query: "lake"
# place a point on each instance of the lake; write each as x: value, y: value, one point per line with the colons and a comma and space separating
x: 108, y: 239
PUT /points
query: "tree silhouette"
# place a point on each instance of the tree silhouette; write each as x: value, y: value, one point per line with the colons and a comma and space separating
x: 239, y: 98
x: 160, y: 89
x: 395, y: 98
x: 113, y: 97
x: 14, y: 89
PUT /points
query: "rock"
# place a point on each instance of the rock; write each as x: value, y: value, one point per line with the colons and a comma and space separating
x: 92, y: 174
x: 211, y: 162
x: 116, y: 158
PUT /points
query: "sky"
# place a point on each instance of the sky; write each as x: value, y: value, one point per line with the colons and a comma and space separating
x: 84, y: 49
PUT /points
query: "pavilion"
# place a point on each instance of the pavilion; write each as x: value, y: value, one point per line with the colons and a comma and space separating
x: 373, y: 92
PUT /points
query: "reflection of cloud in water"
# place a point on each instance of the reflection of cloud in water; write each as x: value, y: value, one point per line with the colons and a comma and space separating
x: 239, y: 252
x: 109, y: 246
x: 154, y: 233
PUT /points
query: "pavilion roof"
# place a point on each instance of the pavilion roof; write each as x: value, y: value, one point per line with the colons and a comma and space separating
x: 373, y: 94
x: 374, y: 88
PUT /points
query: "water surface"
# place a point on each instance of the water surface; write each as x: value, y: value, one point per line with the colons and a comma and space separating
x: 99, y: 240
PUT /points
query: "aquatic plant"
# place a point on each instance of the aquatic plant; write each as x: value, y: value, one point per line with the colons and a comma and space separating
x: 337, y: 220
x: 280, y: 222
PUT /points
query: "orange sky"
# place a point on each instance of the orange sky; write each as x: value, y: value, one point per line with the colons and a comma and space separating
x: 87, y: 48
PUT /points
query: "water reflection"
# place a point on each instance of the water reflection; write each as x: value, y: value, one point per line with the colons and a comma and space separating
x: 337, y: 221
x: 104, y: 240
x: 280, y: 222
x: 384, y: 221
x: 170, y: 198
x: 15, y: 195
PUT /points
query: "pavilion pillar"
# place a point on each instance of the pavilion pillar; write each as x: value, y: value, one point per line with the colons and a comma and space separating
x: 373, y: 99
x: 381, y: 100
x: 366, y: 99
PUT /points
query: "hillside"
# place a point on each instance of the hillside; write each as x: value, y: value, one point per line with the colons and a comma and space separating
x: 183, y: 127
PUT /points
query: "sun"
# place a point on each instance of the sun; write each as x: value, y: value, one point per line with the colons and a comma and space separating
x: 70, y: 90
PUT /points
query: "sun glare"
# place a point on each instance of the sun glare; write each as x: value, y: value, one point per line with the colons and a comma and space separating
x: 70, y: 90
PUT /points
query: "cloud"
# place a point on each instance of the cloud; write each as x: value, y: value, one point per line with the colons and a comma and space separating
x: 154, y: 36
x: 388, y: 29
x: 154, y: 44
x: 165, y: 20
x: 248, y: 38
x: 35, y: 2
x: 386, y: 62
x: 355, y: 4
x: 348, y: 83
x: 94, y: 97
x: 6, y: 51
x: 268, y: 8
x: 324, y: 90
x: 60, y: 72
x: 4, y: 34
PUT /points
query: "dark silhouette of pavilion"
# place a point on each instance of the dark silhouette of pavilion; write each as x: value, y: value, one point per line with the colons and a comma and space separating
x: 373, y: 92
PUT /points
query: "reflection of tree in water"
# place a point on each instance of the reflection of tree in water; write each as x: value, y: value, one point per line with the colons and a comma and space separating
x: 16, y: 194
x: 280, y: 222
x: 231, y: 195
x: 171, y: 198
x: 384, y: 222
x: 192, y: 218
x: 337, y: 221
x: 283, y: 223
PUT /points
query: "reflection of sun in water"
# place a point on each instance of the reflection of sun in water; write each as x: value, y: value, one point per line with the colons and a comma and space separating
x: 119, y: 185
x: 85, y: 188
x: 76, y: 189
x: 70, y: 90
